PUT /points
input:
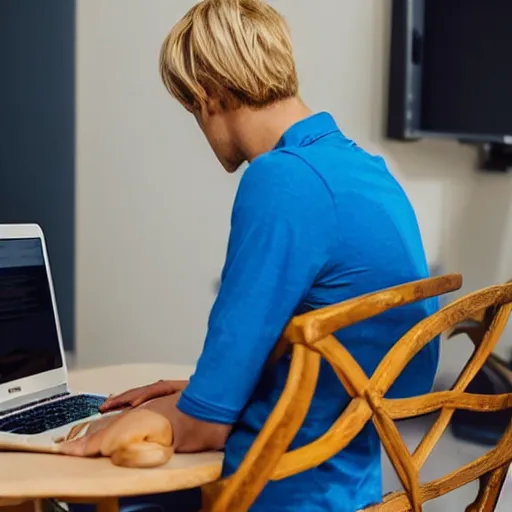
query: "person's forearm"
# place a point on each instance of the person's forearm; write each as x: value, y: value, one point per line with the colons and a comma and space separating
x: 189, y: 434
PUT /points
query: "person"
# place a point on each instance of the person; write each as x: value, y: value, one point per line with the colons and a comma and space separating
x: 316, y: 221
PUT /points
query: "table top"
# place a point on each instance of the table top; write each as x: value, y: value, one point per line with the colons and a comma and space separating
x: 24, y: 475
x: 115, y: 379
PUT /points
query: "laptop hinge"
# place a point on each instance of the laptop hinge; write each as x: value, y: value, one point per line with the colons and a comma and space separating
x: 33, y: 398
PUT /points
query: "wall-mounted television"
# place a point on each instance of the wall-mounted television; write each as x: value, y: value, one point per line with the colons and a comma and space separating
x: 451, y: 71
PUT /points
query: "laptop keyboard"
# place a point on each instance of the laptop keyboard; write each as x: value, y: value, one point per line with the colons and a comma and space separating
x: 51, y: 415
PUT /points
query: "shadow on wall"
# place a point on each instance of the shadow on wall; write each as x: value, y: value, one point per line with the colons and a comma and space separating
x: 485, y: 231
x: 470, y: 210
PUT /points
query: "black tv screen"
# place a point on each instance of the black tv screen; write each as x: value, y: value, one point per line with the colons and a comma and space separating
x: 451, y: 70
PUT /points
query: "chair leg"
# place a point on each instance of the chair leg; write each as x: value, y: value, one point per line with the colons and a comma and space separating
x: 489, y: 491
x: 108, y: 505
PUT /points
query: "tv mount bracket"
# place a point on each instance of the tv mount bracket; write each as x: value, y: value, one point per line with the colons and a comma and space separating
x: 496, y: 157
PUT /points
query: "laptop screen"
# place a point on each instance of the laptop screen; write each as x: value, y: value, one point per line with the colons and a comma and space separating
x: 29, y: 341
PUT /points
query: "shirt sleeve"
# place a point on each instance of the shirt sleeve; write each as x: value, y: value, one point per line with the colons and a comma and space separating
x: 282, y: 229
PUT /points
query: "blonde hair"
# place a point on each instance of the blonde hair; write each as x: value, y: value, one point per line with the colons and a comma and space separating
x: 238, y: 52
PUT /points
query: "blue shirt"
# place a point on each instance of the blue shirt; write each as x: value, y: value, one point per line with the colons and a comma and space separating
x: 316, y: 221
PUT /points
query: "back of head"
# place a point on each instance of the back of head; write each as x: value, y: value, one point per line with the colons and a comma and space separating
x: 236, y: 52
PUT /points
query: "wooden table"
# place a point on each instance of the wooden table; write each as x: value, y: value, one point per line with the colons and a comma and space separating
x: 32, y: 476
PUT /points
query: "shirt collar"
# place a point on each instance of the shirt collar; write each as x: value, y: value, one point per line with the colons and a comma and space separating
x: 309, y: 130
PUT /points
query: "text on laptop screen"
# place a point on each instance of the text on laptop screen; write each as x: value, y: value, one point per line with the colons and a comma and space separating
x: 29, y: 343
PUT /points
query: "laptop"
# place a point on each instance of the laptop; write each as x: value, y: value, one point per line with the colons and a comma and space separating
x: 37, y: 407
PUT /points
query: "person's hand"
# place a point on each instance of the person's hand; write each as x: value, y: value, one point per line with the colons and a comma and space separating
x: 86, y: 439
x: 138, y: 396
x: 138, y: 438
x: 89, y: 427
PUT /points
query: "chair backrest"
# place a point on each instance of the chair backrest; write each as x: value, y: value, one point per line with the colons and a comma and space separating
x: 311, y: 337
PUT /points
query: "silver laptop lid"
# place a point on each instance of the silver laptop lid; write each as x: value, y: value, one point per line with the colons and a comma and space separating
x: 32, y: 365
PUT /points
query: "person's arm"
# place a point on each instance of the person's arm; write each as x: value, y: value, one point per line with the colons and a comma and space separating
x: 140, y: 395
x: 283, y: 228
x: 189, y: 434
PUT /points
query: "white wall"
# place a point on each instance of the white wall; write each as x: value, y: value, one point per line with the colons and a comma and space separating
x: 154, y: 205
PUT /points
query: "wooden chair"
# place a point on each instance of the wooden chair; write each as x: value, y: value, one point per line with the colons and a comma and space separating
x: 475, y: 328
x: 311, y: 337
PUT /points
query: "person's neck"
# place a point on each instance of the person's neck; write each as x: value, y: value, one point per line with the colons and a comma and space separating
x: 257, y: 131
